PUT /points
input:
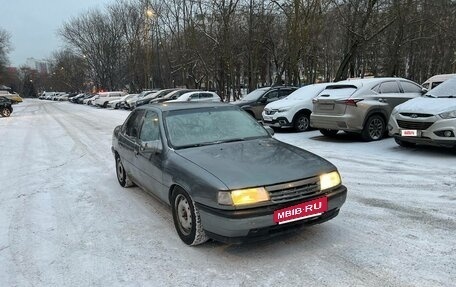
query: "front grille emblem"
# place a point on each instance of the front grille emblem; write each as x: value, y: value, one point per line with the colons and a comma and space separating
x: 413, y: 116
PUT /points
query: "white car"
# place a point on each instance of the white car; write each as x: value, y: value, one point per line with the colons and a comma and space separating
x: 115, y: 104
x: 294, y: 110
x: 429, y: 120
x: 198, y: 96
x: 105, y: 97
x: 89, y: 101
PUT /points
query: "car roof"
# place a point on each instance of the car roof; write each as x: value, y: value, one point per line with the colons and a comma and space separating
x: 175, y: 106
x: 438, y: 78
x: 367, y: 82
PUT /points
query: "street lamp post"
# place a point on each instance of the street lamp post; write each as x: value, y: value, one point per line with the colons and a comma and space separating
x: 150, y: 13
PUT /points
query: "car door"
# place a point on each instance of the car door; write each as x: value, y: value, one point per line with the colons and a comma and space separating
x: 390, y: 94
x: 148, y: 156
x: 128, y: 141
x: 267, y: 98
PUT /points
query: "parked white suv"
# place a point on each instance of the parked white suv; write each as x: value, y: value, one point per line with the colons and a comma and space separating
x: 294, y: 110
x: 105, y: 97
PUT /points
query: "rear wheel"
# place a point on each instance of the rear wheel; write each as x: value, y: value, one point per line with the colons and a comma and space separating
x: 404, y: 143
x: 374, y: 129
x: 187, y: 219
x: 122, y: 176
x: 328, y: 133
x: 301, y: 122
x: 105, y: 105
x: 5, y: 112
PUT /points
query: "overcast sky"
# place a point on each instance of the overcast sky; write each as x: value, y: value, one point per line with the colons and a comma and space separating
x: 33, y: 24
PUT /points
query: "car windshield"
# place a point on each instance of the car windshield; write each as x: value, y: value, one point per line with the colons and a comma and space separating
x: 254, y: 95
x: 198, y: 127
x: 446, y: 89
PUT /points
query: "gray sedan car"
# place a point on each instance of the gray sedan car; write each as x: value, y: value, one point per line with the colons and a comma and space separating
x: 223, y: 174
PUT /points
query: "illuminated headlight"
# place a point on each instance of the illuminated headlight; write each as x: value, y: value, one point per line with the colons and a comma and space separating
x: 448, y: 115
x: 329, y: 180
x: 243, y: 196
x: 281, y: 110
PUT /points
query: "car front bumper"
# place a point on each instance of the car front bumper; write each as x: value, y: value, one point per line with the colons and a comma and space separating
x: 237, y: 226
x: 433, y: 135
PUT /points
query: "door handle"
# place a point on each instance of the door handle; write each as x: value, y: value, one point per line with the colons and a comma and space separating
x: 382, y: 100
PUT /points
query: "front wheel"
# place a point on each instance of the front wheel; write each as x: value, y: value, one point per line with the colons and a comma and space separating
x: 122, y: 176
x: 329, y: 133
x: 301, y: 123
x: 187, y: 220
x: 374, y: 129
x: 5, y: 112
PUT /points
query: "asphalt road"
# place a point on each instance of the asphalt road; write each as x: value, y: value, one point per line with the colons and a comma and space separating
x: 65, y: 221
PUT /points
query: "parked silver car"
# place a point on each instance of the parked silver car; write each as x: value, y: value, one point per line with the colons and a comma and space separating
x: 361, y: 106
x: 429, y: 120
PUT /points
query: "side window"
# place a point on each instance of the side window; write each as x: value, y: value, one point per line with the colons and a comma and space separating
x: 376, y: 89
x: 205, y: 96
x: 285, y: 92
x: 150, y: 130
x: 389, y: 87
x: 410, y: 87
x: 272, y: 96
x: 131, y: 127
x: 194, y: 97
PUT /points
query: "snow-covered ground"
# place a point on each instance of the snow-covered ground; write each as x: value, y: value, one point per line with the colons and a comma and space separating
x: 65, y: 221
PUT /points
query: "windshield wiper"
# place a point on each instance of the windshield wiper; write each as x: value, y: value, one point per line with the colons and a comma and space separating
x: 431, y: 96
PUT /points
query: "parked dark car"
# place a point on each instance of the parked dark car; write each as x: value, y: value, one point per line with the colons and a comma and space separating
x: 5, y: 106
x: 223, y: 174
x: 254, y: 102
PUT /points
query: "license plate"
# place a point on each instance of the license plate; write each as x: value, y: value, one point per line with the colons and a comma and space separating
x: 326, y: 106
x: 409, y: 133
x: 301, y: 211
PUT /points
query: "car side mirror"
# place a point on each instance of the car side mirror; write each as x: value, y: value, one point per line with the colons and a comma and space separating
x: 263, y: 100
x: 424, y: 91
x: 269, y: 130
x: 155, y: 147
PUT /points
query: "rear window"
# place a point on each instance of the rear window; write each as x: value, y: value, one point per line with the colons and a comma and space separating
x: 337, y: 91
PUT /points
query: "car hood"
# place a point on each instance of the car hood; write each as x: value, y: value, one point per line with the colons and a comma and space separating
x: 258, y: 162
x: 284, y: 103
x: 427, y: 105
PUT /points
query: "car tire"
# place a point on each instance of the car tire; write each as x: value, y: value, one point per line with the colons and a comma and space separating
x: 301, y: 122
x: 404, y: 143
x: 374, y: 128
x: 122, y: 176
x: 329, y: 133
x: 186, y: 217
x: 5, y: 112
x: 105, y: 105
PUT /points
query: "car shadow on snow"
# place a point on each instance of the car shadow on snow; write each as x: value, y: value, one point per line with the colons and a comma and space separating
x: 426, y: 150
x: 340, y: 137
x: 317, y: 237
